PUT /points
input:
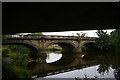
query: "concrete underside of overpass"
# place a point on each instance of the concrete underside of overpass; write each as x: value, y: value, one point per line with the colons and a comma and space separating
x: 62, y: 16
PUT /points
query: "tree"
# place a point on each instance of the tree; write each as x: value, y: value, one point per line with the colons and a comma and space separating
x: 115, y: 39
x: 82, y: 35
x: 103, y: 42
x: 117, y: 73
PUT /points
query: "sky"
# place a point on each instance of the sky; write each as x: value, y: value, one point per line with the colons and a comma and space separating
x: 89, y: 33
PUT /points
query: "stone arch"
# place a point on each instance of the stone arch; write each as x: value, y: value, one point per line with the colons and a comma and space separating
x: 89, y: 43
x: 67, y: 53
x: 83, y: 43
x: 60, y: 41
x: 33, y: 49
x: 66, y: 46
x: 62, y: 44
x: 88, y: 46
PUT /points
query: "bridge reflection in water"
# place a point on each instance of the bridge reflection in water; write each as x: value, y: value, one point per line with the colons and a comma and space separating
x: 70, y: 65
x: 68, y: 62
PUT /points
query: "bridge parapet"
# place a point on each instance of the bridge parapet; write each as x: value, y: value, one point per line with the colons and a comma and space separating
x: 48, y: 37
x: 25, y: 36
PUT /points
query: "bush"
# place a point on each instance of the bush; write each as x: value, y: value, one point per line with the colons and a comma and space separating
x: 5, y: 52
x: 20, y: 59
x: 21, y: 73
x: 13, y: 72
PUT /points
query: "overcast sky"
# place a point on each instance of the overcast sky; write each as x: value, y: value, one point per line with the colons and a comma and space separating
x: 89, y: 33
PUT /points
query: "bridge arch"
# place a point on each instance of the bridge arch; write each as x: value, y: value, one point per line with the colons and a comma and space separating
x: 72, y: 44
x: 85, y: 43
x: 87, y: 46
x: 89, y: 43
x: 33, y: 49
x: 63, y: 45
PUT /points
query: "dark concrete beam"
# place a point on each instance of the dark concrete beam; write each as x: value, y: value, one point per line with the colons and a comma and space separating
x: 63, y: 16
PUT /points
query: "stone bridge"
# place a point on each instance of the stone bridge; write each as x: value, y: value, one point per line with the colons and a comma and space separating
x: 68, y: 61
x: 39, y: 43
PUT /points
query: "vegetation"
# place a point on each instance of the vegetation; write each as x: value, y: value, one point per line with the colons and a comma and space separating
x: 117, y: 73
x: 109, y: 59
x: 20, y: 59
x: 103, y: 42
x: 10, y: 70
x: 18, y: 68
x: 104, y: 66
x: 4, y: 37
x: 80, y: 36
x: 37, y: 33
x: 115, y: 39
x: 21, y: 73
x: 108, y: 42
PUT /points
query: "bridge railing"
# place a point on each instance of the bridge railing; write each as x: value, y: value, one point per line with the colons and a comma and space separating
x: 25, y: 36
x: 62, y: 37
x: 49, y: 37
x: 40, y: 36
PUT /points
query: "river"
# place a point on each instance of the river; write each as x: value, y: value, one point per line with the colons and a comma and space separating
x: 74, y: 65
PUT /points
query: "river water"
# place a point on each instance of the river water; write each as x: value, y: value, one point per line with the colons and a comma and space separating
x: 91, y: 72
x: 64, y: 65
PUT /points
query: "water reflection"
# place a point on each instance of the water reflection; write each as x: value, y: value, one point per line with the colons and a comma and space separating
x: 71, y: 65
x: 52, y: 57
x: 91, y: 72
